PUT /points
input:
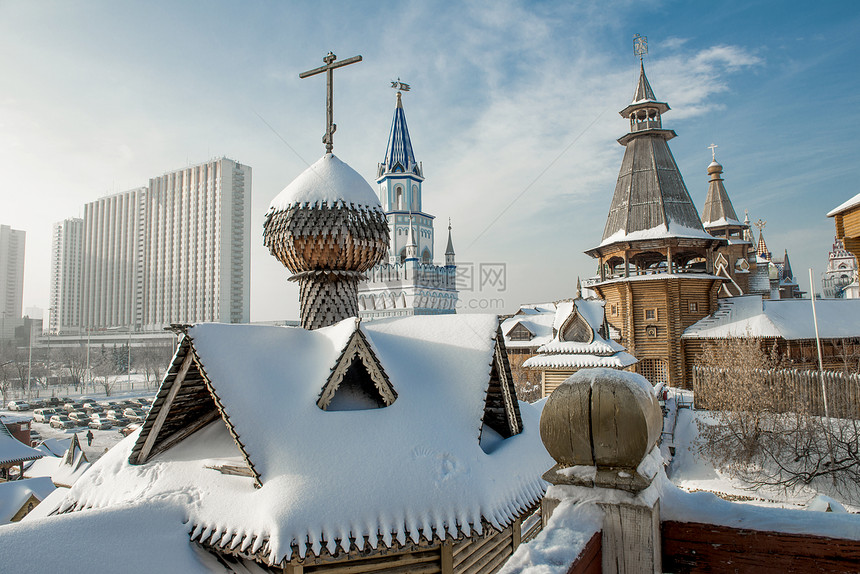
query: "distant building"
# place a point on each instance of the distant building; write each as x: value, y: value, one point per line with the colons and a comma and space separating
x: 176, y: 251
x: 839, y: 281
x: 11, y: 272
x: 65, y: 308
x: 409, y: 282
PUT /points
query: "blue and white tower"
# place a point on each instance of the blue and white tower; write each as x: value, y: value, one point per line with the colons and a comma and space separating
x: 410, y: 283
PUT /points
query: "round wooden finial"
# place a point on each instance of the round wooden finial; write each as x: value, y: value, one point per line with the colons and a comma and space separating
x: 604, y: 418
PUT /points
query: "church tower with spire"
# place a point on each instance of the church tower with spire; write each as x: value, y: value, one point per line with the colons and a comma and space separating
x: 409, y: 282
x: 655, y: 260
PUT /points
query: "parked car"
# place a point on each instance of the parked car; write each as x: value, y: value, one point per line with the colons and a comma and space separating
x: 93, y: 409
x: 99, y: 423
x: 80, y: 418
x: 119, y: 421
x: 43, y: 415
x: 18, y: 406
x: 35, y: 438
x: 53, y: 402
x: 37, y: 403
x: 62, y: 422
x: 128, y: 429
x: 68, y: 407
x: 134, y: 415
x: 86, y: 400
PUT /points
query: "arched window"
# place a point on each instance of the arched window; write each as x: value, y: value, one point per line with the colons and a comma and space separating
x: 403, y: 255
x: 398, y: 198
x: 425, y: 256
x: 416, y: 204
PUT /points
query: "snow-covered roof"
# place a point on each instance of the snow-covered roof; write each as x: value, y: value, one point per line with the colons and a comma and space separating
x: 790, y: 319
x: 328, y: 180
x: 661, y: 231
x: 387, y: 475
x: 63, y: 470
x: 141, y: 538
x: 14, y: 451
x: 595, y: 351
x: 14, y: 493
x: 853, y: 202
x: 537, y: 318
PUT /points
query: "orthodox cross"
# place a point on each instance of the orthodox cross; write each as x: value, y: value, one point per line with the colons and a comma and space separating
x: 330, y: 65
x: 713, y: 147
x: 640, y: 45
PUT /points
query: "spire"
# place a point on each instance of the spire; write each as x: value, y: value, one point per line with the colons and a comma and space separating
x: 643, y: 89
x: 748, y: 236
x: 578, y: 288
x: 650, y: 193
x: 761, y: 249
x: 411, y: 246
x: 786, y: 268
x: 399, y: 157
x: 718, y: 211
x: 449, y: 250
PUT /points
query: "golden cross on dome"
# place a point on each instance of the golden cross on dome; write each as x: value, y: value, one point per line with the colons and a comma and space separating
x: 760, y: 224
x: 330, y: 65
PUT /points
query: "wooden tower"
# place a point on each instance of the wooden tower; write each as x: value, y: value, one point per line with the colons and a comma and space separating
x: 734, y: 260
x: 655, y: 261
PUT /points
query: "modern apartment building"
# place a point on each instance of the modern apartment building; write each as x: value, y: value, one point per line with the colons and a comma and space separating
x: 65, y: 310
x: 11, y: 272
x: 176, y: 251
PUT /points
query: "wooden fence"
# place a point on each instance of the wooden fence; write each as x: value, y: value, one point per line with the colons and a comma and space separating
x: 789, y: 390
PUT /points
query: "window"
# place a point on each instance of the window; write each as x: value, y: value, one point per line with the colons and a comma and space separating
x: 694, y: 307
x: 655, y: 370
x: 650, y: 314
x: 398, y: 194
x: 613, y: 309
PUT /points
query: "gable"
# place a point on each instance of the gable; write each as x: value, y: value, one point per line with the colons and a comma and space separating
x: 501, y: 408
x: 520, y: 332
x: 357, y: 381
x: 185, y: 404
x: 576, y: 329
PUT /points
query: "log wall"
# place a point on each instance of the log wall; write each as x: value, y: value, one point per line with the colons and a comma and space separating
x: 694, y: 547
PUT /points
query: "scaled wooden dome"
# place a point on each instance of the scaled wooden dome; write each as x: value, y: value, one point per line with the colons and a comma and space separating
x: 327, y: 219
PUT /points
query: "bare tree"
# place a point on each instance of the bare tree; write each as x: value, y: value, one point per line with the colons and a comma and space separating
x: 74, y: 361
x: 766, y: 436
x: 104, y: 370
x: 154, y: 361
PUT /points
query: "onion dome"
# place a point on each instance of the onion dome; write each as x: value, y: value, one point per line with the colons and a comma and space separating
x: 327, y: 227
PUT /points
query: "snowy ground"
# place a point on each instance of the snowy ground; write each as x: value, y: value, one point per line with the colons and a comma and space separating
x: 691, y: 472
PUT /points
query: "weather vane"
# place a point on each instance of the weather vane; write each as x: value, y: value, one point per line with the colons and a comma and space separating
x: 713, y: 147
x: 640, y: 45
x: 330, y: 65
x: 760, y: 224
x: 400, y: 86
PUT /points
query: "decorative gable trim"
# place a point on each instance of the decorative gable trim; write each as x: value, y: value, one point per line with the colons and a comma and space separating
x: 357, y: 349
x: 185, y: 403
x: 501, y: 408
x: 576, y: 329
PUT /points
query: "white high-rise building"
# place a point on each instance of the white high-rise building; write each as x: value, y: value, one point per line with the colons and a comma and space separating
x: 65, y: 310
x: 177, y: 251
x: 198, y: 245
x: 11, y: 272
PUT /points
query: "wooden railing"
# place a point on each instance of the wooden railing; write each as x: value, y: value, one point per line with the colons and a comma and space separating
x: 790, y: 390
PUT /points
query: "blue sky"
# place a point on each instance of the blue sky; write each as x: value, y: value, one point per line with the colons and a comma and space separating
x: 513, y: 113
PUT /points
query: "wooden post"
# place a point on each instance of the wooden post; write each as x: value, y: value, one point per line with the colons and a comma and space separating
x: 294, y: 569
x: 447, y: 559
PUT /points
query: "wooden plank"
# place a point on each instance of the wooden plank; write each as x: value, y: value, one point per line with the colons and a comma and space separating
x: 695, y: 547
x: 165, y: 408
x: 481, y: 555
x: 477, y: 547
x: 589, y: 559
x: 447, y: 559
x: 411, y: 562
x: 184, y: 432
